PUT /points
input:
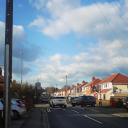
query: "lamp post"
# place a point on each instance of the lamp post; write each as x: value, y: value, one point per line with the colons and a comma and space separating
x: 21, y: 67
x: 66, y: 86
x: 8, y: 61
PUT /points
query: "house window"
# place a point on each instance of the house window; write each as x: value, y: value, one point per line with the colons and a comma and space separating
x: 104, y: 97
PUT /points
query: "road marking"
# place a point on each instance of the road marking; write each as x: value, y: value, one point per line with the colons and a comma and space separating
x: 120, y: 114
x: 75, y: 111
x: 93, y: 119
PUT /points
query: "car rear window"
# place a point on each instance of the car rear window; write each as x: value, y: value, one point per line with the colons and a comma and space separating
x: 58, y: 97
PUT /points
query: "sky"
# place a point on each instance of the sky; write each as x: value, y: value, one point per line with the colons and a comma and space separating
x: 77, y: 38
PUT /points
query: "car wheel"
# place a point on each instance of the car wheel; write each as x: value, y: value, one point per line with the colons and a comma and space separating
x: 64, y: 106
x: 15, y: 115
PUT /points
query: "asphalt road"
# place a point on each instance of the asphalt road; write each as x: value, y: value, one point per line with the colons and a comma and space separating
x: 77, y: 117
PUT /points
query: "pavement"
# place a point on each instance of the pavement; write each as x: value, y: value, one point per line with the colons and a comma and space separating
x: 35, y: 118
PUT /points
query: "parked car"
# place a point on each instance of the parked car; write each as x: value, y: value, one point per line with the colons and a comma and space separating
x: 45, y: 100
x: 17, y: 108
x: 74, y: 101
x: 84, y: 101
x: 58, y: 101
x: 125, y: 102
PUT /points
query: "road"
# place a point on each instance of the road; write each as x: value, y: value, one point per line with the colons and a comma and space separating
x: 77, y: 117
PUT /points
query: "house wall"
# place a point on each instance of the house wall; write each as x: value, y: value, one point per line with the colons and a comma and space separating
x: 109, y: 85
x: 121, y: 88
x: 106, y: 85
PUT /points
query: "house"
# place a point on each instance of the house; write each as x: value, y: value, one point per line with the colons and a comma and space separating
x: 73, y: 91
x: 112, y: 85
x: 84, y: 85
x: 90, y: 88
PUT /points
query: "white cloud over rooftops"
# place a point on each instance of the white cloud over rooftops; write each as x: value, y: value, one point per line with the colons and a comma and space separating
x: 99, y: 19
x: 105, y: 59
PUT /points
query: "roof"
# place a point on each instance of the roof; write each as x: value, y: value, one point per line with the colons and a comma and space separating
x: 116, y: 78
x: 94, y: 82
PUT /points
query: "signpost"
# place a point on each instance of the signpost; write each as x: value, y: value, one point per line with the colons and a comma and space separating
x: 8, y: 61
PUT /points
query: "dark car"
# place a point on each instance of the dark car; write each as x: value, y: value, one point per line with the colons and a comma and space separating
x: 45, y: 100
x: 84, y: 101
x: 74, y: 101
x: 125, y: 102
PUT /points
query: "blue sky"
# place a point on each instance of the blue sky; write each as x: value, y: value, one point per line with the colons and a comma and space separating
x: 78, y: 38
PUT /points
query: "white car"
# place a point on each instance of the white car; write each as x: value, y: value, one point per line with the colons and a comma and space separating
x: 17, y: 108
x: 58, y: 101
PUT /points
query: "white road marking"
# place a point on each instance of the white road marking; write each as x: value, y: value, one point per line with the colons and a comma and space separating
x: 75, y: 111
x: 92, y: 119
x: 120, y: 114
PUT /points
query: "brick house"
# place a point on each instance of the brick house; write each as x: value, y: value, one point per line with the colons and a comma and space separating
x: 90, y: 88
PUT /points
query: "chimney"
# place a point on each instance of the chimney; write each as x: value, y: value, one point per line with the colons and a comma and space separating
x: 0, y: 71
x: 93, y: 78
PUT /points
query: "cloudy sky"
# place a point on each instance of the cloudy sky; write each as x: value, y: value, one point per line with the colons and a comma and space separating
x: 77, y: 38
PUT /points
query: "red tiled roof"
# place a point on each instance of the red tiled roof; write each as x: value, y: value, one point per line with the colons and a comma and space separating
x: 116, y: 78
x: 94, y: 82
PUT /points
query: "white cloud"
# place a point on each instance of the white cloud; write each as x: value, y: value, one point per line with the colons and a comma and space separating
x: 97, y: 19
x: 39, y: 22
x: 107, y: 58
x: 107, y: 22
x: 20, y: 43
x: 55, y: 7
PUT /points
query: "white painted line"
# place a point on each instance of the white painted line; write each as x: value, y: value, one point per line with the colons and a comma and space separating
x: 93, y: 119
x: 75, y: 111
x: 120, y: 114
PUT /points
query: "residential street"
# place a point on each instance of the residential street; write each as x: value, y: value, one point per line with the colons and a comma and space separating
x: 73, y: 117
x: 78, y: 117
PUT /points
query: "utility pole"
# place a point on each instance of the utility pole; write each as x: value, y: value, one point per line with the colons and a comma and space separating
x: 21, y: 68
x: 66, y: 86
x: 66, y: 80
x: 8, y: 61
